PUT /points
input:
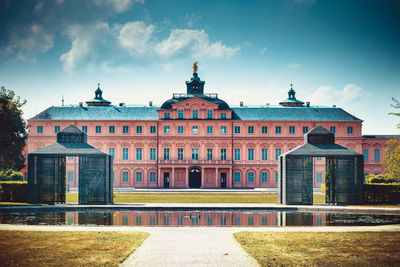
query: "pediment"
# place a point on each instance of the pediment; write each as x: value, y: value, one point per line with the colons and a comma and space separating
x: 195, y: 101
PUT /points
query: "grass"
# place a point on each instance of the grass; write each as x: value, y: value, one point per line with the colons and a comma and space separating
x: 67, y: 248
x: 194, y: 198
x: 322, y: 248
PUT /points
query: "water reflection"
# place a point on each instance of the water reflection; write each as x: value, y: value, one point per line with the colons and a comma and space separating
x: 199, y: 218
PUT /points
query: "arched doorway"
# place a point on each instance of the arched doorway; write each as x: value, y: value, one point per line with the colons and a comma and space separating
x: 194, y: 178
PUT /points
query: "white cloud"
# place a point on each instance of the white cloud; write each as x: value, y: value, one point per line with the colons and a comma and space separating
x: 30, y: 39
x: 191, y: 19
x: 118, y: 5
x: 263, y: 50
x: 294, y: 66
x: 84, y: 38
x: 195, y: 42
x: 134, y: 36
x: 327, y: 95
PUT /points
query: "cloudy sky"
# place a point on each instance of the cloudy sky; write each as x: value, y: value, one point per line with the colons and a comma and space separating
x: 338, y: 52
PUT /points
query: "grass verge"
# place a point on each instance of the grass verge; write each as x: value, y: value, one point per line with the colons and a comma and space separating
x: 322, y: 248
x: 194, y: 198
x: 67, y: 248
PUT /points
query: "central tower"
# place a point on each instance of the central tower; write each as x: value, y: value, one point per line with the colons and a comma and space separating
x: 195, y: 86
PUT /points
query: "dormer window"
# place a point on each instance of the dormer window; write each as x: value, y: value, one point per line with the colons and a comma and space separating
x: 223, y: 115
x: 166, y: 115
x: 195, y: 114
x: 209, y: 114
x: 180, y: 114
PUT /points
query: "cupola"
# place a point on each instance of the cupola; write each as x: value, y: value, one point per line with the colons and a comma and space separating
x: 195, y: 86
x: 98, y: 98
x: 291, y: 101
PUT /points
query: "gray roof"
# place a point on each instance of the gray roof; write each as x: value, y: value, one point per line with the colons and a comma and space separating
x: 322, y: 150
x: 275, y: 113
x: 69, y: 149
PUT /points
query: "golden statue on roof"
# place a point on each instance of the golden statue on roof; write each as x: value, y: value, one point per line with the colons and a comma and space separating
x: 195, y: 67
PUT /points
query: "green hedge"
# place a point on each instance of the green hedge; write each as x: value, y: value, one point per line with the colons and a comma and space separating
x: 10, y: 175
x: 381, y: 194
x: 13, y: 192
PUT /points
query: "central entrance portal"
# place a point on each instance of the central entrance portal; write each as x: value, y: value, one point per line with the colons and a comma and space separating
x: 223, y: 180
x: 194, y: 178
x: 166, y: 179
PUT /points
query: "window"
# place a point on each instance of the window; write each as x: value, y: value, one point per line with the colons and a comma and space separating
x: 350, y: 130
x: 125, y: 129
x: 139, y: 177
x: 195, y: 154
x: 251, y: 220
x: 180, y: 153
x: 57, y: 129
x: 264, y: 129
x: 251, y: 129
x: 377, y: 155
x: 319, y: 158
x: 152, y: 154
x: 237, y: 129
x: 166, y: 115
x: 152, y: 129
x: 111, y: 129
x: 209, y: 154
x: 111, y: 151
x: 333, y: 129
x: 124, y: 220
x: 223, y: 129
x: 166, y: 129
x: 138, y: 154
x: 237, y: 153
x: 276, y: 177
x: 264, y: 177
x: 125, y: 177
x: 291, y: 129
x: 251, y: 153
x: 166, y: 153
x: 152, y: 177
x: 70, y: 157
x: 180, y: 129
x: 366, y: 154
x: 237, y: 177
x: 209, y: 114
x: 125, y: 153
x: 223, y: 115
x: 180, y: 220
x: 140, y: 130
x: 237, y: 220
x: 39, y: 129
x: 250, y: 177
x: 84, y: 129
x: 223, y: 153
x: 319, y: 177
x: 264, y: 154
x: 305, y: 129
x: 264, y: 220
x: 278, y: 129
x: 180, y: 114
x: 195, y: 129
x: 98, y: 129
x: 223, y: 220
x: 152, y: 220
x: 138, y: 220
x: 70, y: 177
x: 195, y: 114
x: 278, y: 152
x: 209, y: 129
x: 209, y: 220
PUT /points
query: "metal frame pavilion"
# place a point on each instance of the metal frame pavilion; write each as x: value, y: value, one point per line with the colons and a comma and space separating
x: 47, y: 168
x: 344, y: 171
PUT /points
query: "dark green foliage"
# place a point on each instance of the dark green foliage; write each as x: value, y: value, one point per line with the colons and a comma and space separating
x: 13, y: 191
x: 330, y: 181
x: 12, y: 131
x: 381, y: 194
x: 10, y: 175
x: 397, y: 106
x: 380, y: 179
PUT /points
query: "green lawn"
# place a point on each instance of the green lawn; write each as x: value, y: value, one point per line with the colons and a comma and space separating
x: 67, y: 248
x: 322, y: 248
x: 194, y: 198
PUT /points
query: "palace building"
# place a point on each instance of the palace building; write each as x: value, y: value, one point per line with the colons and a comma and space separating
x: 195, y: 139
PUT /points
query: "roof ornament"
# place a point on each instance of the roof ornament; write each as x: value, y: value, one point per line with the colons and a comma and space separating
x: 195, y: 67
x: 98, y: 85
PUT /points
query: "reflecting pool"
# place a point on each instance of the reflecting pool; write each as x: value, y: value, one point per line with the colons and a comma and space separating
x: 224, y: 218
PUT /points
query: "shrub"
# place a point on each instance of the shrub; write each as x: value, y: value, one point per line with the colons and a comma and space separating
x: 382, y: 193
x: 380, y: 179
x: 13, y: 191
x: 10, y: 175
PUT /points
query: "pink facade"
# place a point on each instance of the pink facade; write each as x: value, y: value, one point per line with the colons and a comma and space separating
x: 197, y: 140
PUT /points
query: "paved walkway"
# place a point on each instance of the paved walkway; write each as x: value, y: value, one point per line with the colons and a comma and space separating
x: 194, y: 246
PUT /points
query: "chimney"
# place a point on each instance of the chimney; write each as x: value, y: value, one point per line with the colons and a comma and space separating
x: 334, y: 106
x: 81, y: 104
x: 150, y: 103
x: 308, y: 103
x: 267, y: 104
x: 121, y: 104
x: 241, y: 103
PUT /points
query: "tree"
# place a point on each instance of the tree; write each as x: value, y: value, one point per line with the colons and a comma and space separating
x: 397, y: 106
x: 12, y: 131
x: 391, y: 159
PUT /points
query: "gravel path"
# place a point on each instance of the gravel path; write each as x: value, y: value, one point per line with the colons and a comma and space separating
x: 194, y: 246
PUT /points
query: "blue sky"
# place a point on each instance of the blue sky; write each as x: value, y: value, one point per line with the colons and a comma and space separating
x: 345, y: 53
